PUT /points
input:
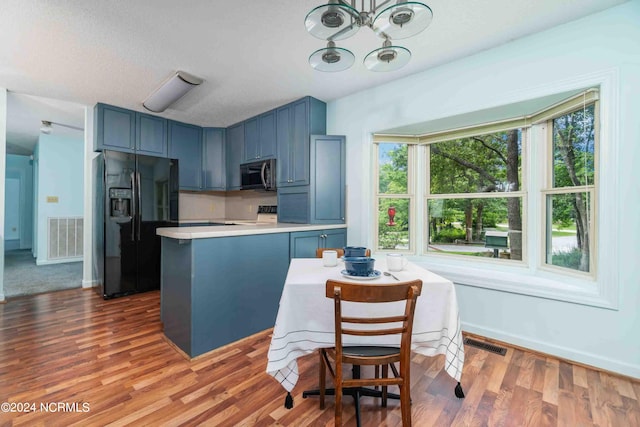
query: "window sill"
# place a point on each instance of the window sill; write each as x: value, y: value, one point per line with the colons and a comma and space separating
x: 519, y: 280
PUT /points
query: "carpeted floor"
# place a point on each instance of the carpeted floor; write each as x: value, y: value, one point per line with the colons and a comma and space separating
x: 23, y: 277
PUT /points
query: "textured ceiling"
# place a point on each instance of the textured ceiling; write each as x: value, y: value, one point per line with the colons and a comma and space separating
x: 252, y: 54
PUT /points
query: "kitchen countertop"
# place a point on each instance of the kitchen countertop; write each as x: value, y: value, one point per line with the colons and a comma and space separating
x: 206, y: 232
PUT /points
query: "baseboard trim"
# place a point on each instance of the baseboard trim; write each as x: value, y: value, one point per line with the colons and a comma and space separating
x: 589, y: 360
x: 88, y: 284
x: 57, y: 261
x: 219, y: 350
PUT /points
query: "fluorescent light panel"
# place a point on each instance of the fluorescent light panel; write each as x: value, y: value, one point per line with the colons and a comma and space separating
x: 170, y: 91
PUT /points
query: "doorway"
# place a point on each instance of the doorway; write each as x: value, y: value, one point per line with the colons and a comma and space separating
x: 44, y: 193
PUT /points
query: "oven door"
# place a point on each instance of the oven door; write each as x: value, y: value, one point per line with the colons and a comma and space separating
x: 258, y: 175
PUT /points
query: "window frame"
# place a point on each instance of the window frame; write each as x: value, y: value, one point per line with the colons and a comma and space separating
x: 411, y: 185
x: 533, y: 280
x: 521, y: 193
x: 548, y: 187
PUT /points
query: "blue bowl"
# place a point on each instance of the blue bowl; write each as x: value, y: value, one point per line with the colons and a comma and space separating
x: 359, y: 266
x: 354, y: 251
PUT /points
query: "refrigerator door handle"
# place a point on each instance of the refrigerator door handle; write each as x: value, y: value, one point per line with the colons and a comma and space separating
x: 139, y: 225
x: 133, y: 210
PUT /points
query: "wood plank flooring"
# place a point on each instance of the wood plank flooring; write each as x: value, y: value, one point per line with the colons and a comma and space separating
x: 109, y: 363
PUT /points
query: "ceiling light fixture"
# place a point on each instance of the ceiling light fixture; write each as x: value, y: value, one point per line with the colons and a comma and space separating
x: 170, y: 91
x: 339, y: 19
x: 47, y: 126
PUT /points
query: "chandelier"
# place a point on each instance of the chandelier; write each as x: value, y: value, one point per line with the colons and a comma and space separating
x: 388, y: 19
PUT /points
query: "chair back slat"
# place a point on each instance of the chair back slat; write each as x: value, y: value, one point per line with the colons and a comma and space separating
x: 359, y: 292
x: 340, y: 252
x: 364, y: 320
x: 372, y: 333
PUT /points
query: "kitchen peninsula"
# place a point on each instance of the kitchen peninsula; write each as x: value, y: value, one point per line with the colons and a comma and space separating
x: 223, y: 283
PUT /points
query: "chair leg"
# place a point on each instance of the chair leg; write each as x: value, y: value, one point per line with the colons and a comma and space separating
x: 385, y: 374
x: 338, y: 394
x: 356, y: 397
x: 323, y: 376
x: 405, y: 402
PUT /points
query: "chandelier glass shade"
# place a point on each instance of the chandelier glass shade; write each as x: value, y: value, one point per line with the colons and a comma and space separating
x: 331, y: 58
x: 387, y: 58
x: 403, y: 20
x: 388, y: 19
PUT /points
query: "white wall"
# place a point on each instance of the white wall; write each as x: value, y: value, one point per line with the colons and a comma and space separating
x: 89, y: 155
x: 61, y: 175
x: 3, y: 144
x: 602, y: 44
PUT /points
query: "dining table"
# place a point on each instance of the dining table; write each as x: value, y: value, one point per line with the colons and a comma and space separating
x: 305, y: 319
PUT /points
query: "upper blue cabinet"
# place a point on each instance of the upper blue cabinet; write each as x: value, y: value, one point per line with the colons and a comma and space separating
x: 260, y: 137
x: 115, y: 129
x: 213, y: 159
x: 296, y: 122
x: 151, y: 135
x: 185, y: 144
x: 124, y: 130
x: 234, y: 153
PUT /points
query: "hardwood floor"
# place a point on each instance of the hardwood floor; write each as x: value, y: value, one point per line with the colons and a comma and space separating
x: 110, y: 364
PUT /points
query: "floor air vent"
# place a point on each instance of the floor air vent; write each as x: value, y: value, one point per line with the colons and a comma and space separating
x: 486, y: 346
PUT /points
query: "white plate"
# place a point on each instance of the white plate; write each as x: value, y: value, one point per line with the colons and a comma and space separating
x: 374, y: 275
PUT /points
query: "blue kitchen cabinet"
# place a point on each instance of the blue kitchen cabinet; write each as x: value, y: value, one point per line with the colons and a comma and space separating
x: 151, y: 135
x: 185, y: 144
x: 234, y: 155
x: 303, y: 244
x: 327, y: 173
x: 323, y: 200
x: 260, y: 137
x: 123, y: 130
x: 218, y: 290
x: 295, y: 124
x: 115, y: 129
x: 213, y: 159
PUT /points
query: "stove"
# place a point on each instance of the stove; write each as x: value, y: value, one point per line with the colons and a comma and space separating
x: 267, y: 214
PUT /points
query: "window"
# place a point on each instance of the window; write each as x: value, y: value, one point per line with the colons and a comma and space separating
x: 570, y: 190
x: 474, y: 196
x: 477, y: 203
x: 394, y: 198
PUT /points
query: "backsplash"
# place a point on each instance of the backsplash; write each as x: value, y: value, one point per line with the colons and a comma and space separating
x: 201, y: 205
x: 244, y: 204
x: 224, y: 205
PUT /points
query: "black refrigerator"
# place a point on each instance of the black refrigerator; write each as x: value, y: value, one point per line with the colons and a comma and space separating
x: 135, y: 195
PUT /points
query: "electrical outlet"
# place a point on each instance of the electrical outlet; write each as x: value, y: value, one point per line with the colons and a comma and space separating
x: 211, y: 208
x: 250, y: 208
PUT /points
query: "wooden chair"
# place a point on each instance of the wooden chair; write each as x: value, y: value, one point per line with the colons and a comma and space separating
x: 340, y: 252
x: 334, y: 358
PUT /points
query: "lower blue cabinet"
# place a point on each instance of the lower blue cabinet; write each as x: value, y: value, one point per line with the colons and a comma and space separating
x: 303, y: 244
x: 219, y: 290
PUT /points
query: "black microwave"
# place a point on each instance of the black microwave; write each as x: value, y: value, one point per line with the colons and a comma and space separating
x: 259, y: 175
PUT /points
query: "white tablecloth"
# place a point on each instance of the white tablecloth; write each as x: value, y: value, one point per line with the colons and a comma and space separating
x: 305, y: 320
